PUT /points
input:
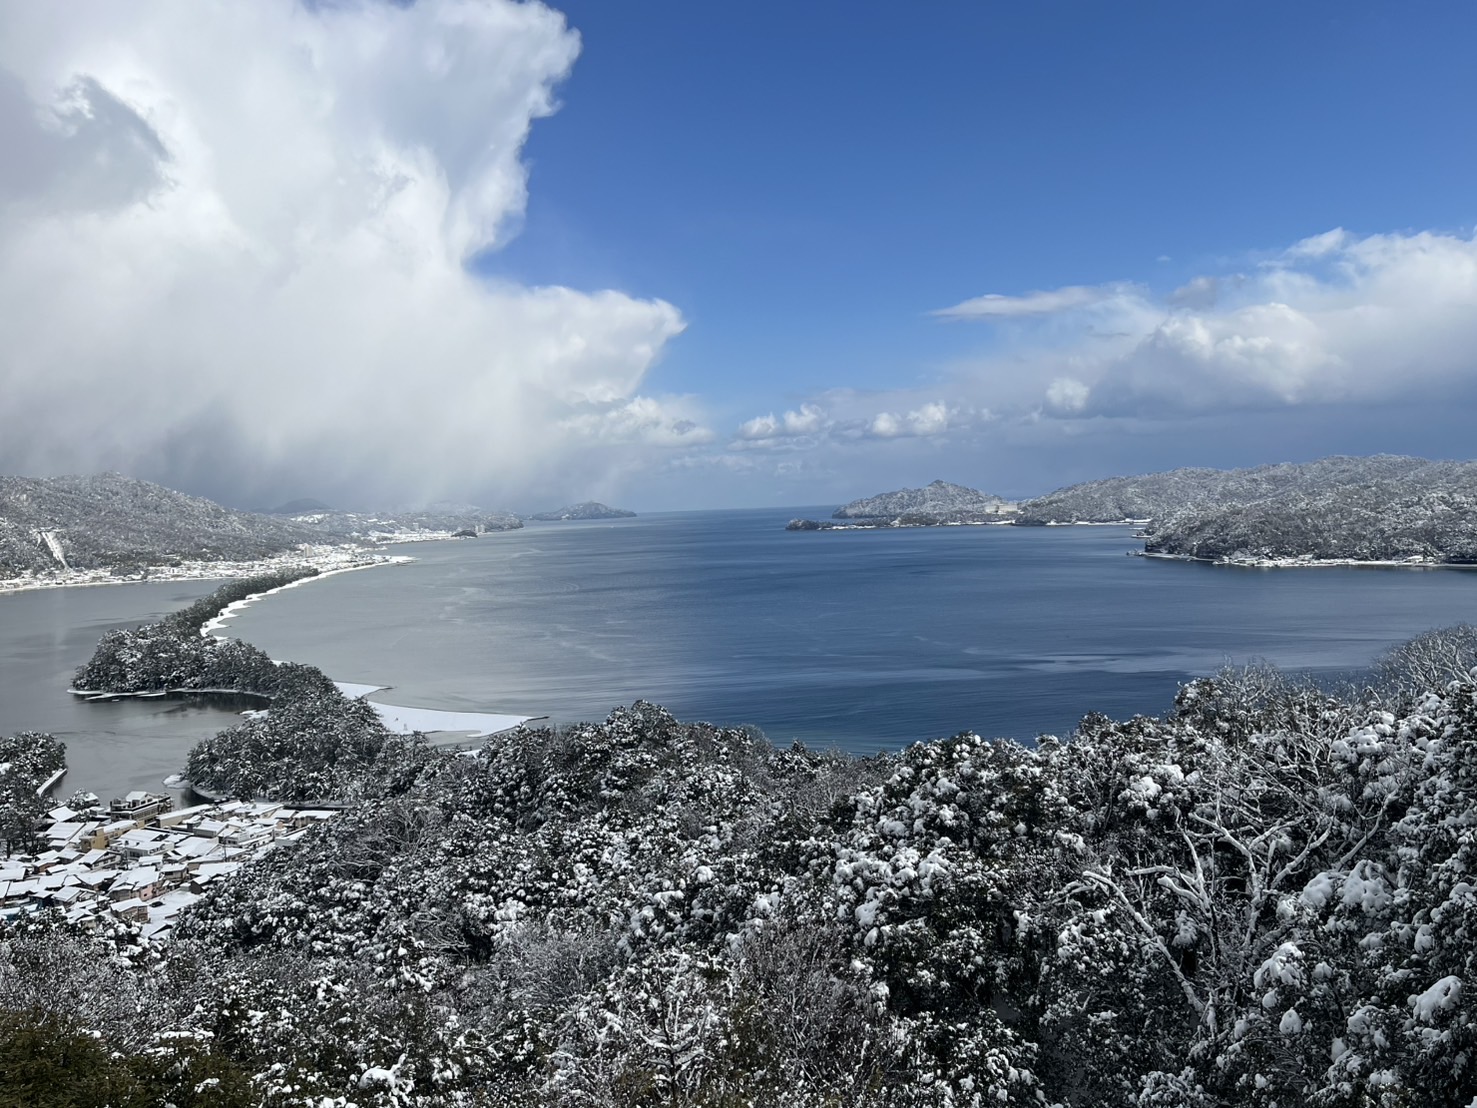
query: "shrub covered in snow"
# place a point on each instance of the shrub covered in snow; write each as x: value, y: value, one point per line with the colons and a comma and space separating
x: 1265, y: 897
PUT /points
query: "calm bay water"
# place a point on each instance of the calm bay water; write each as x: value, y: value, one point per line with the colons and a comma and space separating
x: 865, y: 639
x: 862, y: 639
x: 111, y: 748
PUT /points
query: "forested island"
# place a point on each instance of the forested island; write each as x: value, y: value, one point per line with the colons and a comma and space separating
x: 1383, y: 508
x: 1262, y: 897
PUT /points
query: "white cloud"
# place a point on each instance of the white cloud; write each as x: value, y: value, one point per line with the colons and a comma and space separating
x: 1318, y: 246
x: 996, y: 306
x: 1335, y: 322
x: 809, y: 420
x: 232, y: 247
x: 1332, y: 319
x: 933, y: 418
x: 643, y: 420
x: 1338, y: 319
x: 1067, y: 394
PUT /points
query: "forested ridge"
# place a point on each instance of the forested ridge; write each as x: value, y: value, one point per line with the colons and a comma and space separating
x: 1263, y: 897
x: 1381, y: 508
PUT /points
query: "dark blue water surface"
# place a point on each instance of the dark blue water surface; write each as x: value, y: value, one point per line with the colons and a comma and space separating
x: 863, y: 639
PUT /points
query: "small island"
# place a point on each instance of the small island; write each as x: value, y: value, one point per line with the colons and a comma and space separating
x: 588, y: 509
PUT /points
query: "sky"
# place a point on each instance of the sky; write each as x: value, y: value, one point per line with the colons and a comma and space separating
x: 675, y: 255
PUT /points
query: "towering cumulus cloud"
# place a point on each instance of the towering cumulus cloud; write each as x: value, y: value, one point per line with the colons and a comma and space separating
x: 234, y: 243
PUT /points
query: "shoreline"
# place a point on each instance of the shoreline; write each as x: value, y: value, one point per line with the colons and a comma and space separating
x: 1302, y: 562
x: 327, y: 559
x: 402, y: 719
x: 211, y: 626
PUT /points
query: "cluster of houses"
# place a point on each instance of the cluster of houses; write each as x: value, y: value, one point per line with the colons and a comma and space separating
x: 141, y: 859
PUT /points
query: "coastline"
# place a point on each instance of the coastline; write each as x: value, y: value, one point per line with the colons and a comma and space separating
x: 1303, y: 562
x: 327, y: 559
x: 210, y: 627
x: 403, y: 719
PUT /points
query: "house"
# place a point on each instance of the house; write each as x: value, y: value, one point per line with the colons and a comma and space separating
x: 185, y: 815
x: 131, y: 909
x: 110, y: 831
x: 143, y: 883
x: 139, y: 806
x: 138, y: 844
x: 208, y: 828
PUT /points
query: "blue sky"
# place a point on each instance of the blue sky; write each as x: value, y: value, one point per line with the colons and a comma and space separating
x: 735, y: 255
x: 808, y: 182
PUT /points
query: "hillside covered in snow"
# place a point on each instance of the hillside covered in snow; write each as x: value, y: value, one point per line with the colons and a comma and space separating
x: 937, y: 504
x: 940, y: 498
x: 110, y: 521
x: 1262, y: 898
x: 1359, y: 509
x: 51, y: 525
x: 1381, y: 508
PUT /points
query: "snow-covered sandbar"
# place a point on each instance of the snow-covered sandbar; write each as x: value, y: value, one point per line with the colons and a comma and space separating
x: 404, y: 720
x: 476, y: 725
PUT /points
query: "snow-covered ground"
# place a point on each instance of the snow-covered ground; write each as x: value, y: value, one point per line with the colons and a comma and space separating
x: 325, y: 559
x: 403, y: 720
x: 1307, y: 561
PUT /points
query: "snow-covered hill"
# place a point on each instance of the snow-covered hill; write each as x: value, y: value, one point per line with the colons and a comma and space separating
x: 940, y: 498
x: 1381, y: 508
x: 110, y: 521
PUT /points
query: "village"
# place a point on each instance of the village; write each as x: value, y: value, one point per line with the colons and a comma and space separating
x: 140, y: 859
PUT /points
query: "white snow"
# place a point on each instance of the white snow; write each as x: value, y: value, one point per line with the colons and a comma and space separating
x: 1439, y: 997
x: 1365, y: 888
x: 404, y: 720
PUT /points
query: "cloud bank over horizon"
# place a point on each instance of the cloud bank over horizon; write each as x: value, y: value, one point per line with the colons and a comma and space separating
x: 242, y: 252
x: 233, y: 255
x: 1333, y: 327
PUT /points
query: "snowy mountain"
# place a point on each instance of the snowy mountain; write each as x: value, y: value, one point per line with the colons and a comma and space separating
x: 588, y: 509
x: 111, y: 521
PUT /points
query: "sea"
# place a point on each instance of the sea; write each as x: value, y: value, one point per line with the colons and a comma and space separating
x: 858, y: 640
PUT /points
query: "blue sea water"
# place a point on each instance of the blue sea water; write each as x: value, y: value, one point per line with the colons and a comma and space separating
x: 862, y: 639
x: 865, y: 640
